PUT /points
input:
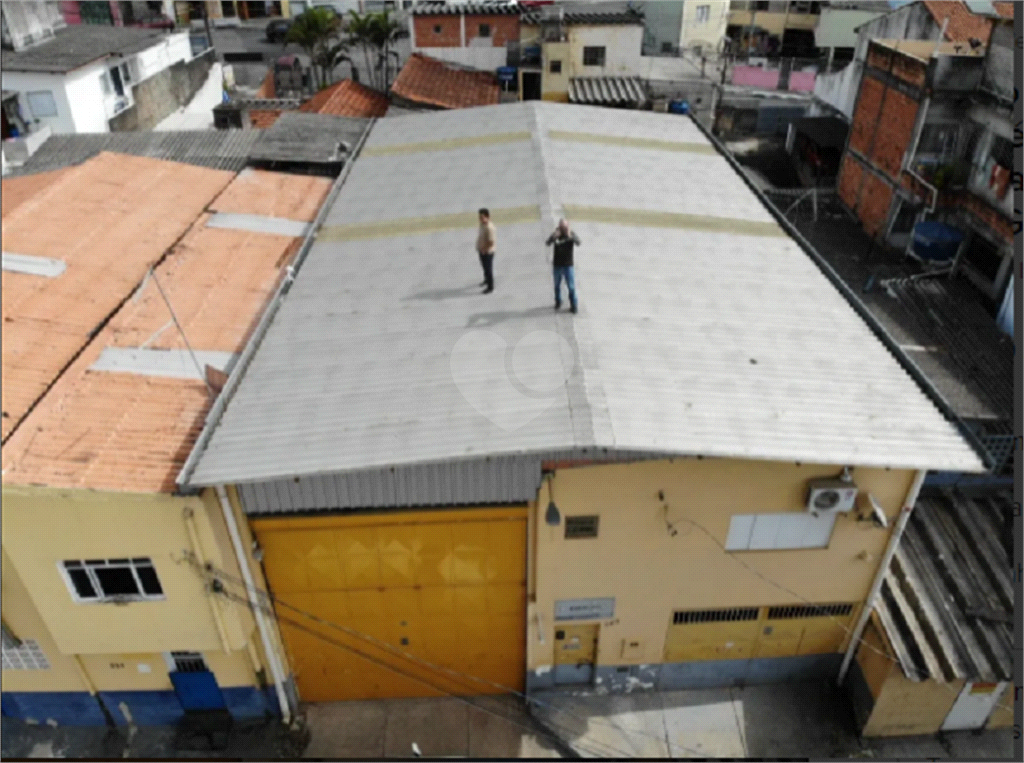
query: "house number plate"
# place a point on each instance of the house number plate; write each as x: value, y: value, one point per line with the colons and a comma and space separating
x: 584, y: 609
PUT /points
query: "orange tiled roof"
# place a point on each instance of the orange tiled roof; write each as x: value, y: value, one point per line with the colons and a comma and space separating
x: 963, y: 24
x: 1004, y: 9
x: 108, y: 220
x: 347, y: 99
x: 17, y: 190
x: 269, y: 88
x: 435, y: 83
x: 107, y: 430
x: 261, y: 119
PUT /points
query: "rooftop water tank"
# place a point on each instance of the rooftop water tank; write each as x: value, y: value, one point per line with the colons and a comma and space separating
x: 936, y: 242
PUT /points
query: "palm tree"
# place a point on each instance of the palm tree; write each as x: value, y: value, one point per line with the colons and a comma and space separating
x: 314, y: 32
x: 375, y: 33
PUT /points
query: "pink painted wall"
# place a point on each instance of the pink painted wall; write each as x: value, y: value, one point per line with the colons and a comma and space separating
x: 755, y: 76
x: 802, y: 82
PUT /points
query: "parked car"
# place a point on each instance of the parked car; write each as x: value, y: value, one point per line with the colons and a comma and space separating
x: 277, y: 30
x: 155, y: 22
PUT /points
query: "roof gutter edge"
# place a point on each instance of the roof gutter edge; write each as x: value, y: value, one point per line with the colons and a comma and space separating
x: 908, y: 365
x: 240, y: 368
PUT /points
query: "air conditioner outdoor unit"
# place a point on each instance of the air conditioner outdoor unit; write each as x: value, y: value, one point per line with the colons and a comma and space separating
x: 830, y: 496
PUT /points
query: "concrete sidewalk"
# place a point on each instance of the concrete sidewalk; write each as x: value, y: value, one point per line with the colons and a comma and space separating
x: 812, y: 721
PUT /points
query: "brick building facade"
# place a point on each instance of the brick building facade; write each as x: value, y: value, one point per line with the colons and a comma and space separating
x: 446, y: 30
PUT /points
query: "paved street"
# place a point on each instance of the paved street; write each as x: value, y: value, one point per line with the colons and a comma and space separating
x: 785, y: 721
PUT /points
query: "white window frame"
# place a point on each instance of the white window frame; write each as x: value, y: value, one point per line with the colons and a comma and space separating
x: 703, y: 14
x: 32, y: 106
x: 103, y: 598
x: 604, y: 54
x: 106, y: 84
x: 780, y: 531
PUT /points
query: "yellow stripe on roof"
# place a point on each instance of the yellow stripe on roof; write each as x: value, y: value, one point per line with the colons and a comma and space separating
x: 647, y: 219
x: 451, y: 144
x: 411, y: 226
x: 612, y: 140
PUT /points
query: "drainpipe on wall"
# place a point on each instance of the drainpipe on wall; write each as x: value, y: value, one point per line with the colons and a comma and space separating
x: 197, y: 549
x: 462, y: 30
x: 250, y: 588
x: 883, y: 566
x: 912, y: 153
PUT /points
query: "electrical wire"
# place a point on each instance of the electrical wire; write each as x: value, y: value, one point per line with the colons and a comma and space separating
x: 270, y: 600
x: 590, y: 747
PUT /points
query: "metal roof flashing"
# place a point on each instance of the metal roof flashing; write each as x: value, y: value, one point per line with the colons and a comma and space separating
x: 240, y: 364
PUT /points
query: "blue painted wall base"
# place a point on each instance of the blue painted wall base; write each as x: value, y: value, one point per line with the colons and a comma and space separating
x: 146, y: 708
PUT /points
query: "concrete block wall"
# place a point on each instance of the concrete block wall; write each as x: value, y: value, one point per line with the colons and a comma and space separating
x: 503, y: 29
x: 164, y: 93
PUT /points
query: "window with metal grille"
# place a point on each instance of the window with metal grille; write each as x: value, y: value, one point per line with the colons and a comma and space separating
x: 581, y: 527
x: 26, y: 656
x: 189, y: 662
x: 94, y: 580
x: 593, y: 55
x: 555, y: 67
x: 734, y: 615
x: 485, y: 30
x: 809, y: 610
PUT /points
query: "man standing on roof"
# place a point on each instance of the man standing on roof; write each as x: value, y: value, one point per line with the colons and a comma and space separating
x: 564, y: 240
x: 485, y: 241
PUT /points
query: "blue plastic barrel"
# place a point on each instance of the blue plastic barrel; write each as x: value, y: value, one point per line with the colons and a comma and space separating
x: 936, y: 242
x: 679, y: 107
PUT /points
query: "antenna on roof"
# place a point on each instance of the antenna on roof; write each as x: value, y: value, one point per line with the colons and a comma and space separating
x: 199, y: 368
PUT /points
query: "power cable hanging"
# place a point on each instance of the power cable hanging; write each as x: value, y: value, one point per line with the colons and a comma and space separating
x: 270, y: 600
x: 202, y: 373
x: 294, y: 623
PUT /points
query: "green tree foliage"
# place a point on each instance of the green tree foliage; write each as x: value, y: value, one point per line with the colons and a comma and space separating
x: 317, y: 31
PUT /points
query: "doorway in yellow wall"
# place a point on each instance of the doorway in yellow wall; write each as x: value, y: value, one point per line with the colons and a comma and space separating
x: 576, y: 652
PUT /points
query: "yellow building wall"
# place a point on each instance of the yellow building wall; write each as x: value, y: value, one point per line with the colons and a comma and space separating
x: 1002, y: 716
x: 622, y: 44
x: 707, y: 34
x: 149, y: 671
x: 874, y: 659
x: 555, y: 87
x: 775, y: 23
x: 909, y: 708
x: 21, y: 617
x: 92, y: 525
x: 651, y: 573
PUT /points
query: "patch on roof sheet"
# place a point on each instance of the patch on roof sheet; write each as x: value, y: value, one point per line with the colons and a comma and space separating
x: 446, y: 145
x: 618, y: 140
x: 412, y: 226
x: 32, y: 265
x: 258, y: 224
x: 176, y: 364
x: 649, y: 219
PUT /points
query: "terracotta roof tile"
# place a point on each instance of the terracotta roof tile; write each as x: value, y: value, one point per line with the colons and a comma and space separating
x: 269, y: 88
x: 109, y: 220
x: 963, y: 24
x: 1004, y: 9
x: 106, y: 430
x: 347, y: 99
x: 436, y: 83
x: 15, y: 191
x: 262, y: 119
x: 274, y: 194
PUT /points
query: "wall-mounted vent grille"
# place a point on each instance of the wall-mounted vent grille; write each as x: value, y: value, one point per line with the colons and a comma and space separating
x: 809, y: 610
x: 26, y: 656
x: 581, y: 527
x: 693, y: 617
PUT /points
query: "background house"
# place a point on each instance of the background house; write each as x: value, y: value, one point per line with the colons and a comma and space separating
x: 107, y: 616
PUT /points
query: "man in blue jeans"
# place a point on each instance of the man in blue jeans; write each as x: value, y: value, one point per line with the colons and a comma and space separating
x: 564, y: 240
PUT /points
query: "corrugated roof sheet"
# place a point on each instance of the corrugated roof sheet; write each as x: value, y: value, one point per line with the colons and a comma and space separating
x: 437, y: 83
x: 947, y: 603
x: 347, y: 99
x: 77, y: 45
x: 722, y: 344
x: 109, y: 220
x: 312, y: 138
x: 607, y: 90
x: 596, y: 18
x: 116, y: 430
x: 216, y: 149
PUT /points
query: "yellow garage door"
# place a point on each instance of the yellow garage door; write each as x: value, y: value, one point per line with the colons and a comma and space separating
x: 353, y: 593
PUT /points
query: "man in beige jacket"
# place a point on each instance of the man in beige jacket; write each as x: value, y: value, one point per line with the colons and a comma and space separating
x: 485, y: 241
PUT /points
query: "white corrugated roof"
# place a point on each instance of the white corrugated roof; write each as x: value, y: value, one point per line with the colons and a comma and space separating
x: 703, y: 328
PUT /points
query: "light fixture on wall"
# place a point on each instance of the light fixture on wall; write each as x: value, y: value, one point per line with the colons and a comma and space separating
x: 552, y: 515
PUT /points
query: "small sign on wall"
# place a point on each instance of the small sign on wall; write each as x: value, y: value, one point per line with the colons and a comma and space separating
x: 584, y: 609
